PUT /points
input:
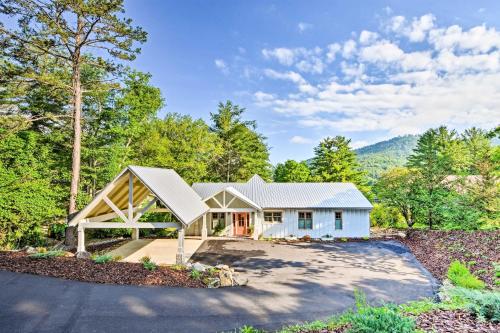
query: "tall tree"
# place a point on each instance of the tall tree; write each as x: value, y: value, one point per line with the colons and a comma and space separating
x: 335, y: 161
x: 292, y: 171
x: 439, y: 153
x: 245, y: 151
x: 401, y: 188
x: 65, y: 30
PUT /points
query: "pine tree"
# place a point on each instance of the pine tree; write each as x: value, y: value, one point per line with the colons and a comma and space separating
x: 292, y: 171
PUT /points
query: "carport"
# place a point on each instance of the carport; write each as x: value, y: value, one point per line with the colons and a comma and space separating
x: 135, y: 191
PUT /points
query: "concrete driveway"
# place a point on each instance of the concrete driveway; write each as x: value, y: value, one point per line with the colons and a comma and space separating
x: 289, y: 284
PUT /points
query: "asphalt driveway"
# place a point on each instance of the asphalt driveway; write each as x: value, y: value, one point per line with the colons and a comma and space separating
x: 288, y: 284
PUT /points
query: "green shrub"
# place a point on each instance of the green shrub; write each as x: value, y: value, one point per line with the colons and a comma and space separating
x: 249, y: 329
x: 196, y: 275
x: 46, y: 254
x: 380, y: 320
x: 145, y: 259
x: 484, y: 304
x: 149, y: 265
x: 460, y: 276
x: 103, y: 259
x: 418, y: 307
x: 57, y: 230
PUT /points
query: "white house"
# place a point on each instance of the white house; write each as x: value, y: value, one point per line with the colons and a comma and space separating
x: 252, y: 209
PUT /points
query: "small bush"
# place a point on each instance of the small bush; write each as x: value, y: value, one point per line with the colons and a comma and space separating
x: 196, y: 275
x: 380, y: 320
x: 103, y: 259
x: 418, y: 307
x: 343, y: 239
x: 484, y: 304
x: 117, y: 258
x: 249, y: 329
x: 178, y: 267
x: 145, y: 259
x: 47, y: 254
x: 149, y: 265
x: 460, y: 276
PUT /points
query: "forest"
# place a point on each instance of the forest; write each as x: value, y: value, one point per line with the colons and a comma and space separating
x: 74, y: 112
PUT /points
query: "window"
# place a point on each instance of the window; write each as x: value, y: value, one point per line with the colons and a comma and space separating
x: 273, y: 217
x: 305, y: 220
x: 338, y: 221
x: 218, y: 219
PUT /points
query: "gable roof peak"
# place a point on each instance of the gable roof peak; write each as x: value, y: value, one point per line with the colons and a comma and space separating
x: 256, y: 179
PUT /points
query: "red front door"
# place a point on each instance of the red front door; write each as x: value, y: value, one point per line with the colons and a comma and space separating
x: 241, y: 224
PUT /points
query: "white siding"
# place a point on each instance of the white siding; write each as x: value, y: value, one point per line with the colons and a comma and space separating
x: 356, y: 223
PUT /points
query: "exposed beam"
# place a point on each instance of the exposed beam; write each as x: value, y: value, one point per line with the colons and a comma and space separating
x: 115, y: 209
x: 217, y: 201
x: 130, y: 196
x: 144, y: 210
x: 139, y: 225
x: 231, y: 201
x: 236, y: 210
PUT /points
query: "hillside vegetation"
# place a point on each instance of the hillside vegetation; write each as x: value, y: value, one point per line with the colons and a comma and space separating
x: 384, y: 155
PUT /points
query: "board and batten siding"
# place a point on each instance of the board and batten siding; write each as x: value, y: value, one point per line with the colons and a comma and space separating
x: 356, y: 223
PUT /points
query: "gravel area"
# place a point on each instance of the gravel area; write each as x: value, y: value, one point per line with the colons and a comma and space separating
x: 440, y: 321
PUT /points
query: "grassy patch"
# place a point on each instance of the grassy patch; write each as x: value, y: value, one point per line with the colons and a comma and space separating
x: 460, y: 276
x: 102, y: 259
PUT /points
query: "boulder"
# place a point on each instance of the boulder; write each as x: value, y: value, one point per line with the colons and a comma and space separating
x: 68, y: 254
x: 226, y: 278
x: 30, y: 250
x: 199, y: 267
x: 221, y: 266
x: 239, y: 280
x: 83, y: 255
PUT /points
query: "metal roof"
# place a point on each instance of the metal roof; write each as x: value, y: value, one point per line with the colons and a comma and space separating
x: 164, y: 184
x: 292, y: 195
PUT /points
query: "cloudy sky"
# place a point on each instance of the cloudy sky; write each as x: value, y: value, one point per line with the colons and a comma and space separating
x: 368, y: 70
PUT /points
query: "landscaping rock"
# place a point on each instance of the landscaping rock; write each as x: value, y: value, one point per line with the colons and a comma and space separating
x: 83, y: 255
x: 221, y: 266
x: 240, y: 281
x: 226, y: 278
x: 199, y: 267
x: 30, y: 250
x: 213, y: 283
x: 68, y: 254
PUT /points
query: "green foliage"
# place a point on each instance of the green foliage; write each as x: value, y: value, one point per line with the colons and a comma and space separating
x: 460, y: 276
x: 484, y: 304
x: 102, y: 259
x: 249, y: 329
x: 292, y: 171
x: 418, y: 307
x: 380, y: 157
x: 148, y: 264
x: 46, y: 254
x: 335, y: 161
x: 244, y: 151
x: 195, y: 275
x: 380, y: 320
x: 386, y: 217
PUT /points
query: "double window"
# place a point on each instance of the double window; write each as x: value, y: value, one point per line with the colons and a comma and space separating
x: 273, y: 217
x: 338, y: 221
x: 218, y: 219
x: 305, y: 220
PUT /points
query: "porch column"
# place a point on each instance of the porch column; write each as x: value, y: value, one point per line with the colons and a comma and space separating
x: 204, y: 231
x: 135, y: 233
x: 179, y: 257
x: 257, y: 225
x: 81, y: 239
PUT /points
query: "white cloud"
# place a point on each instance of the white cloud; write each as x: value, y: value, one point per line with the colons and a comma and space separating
x: 359, y: 144
x: 367, y: 37
x: 300, y: 140
x: 221, y: 65
x: 283, y: 55
x: 386, y: 84
x: 302, y: 26
x: 383, y: 51
x: 333, y: 49
x: 349, y: 48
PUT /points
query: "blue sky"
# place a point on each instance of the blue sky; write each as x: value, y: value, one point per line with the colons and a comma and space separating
x: 304, y: 70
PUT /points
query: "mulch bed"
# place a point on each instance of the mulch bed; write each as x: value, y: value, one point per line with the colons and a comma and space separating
x: 437, y: 249
x: 441, y: 321
x: 86, y: 270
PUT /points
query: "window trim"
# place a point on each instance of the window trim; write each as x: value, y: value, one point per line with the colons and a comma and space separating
x: 273, y: 211
x: 341, y: 220
x: 312, y: 219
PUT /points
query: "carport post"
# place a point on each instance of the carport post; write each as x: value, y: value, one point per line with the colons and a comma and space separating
x: 135, y: 232
x: 81, y: 239
x: 179, y: 257
x: 204, y: 231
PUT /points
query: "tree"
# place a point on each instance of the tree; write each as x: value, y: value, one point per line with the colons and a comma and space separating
x: 439, y: 153
x: 65, y: 30
x: 180, y: 143
x: 244, y: 151
x: 335, y: 161
x: 292, y: 171
x: 401, y: 188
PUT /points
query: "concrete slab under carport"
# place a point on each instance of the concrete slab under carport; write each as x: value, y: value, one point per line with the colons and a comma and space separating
x: 161, y: 251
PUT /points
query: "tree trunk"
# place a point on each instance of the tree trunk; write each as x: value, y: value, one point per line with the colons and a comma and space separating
x: 77, y: 133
